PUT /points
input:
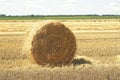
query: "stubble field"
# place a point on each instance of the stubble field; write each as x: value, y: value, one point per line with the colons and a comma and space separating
x: 98, y: 52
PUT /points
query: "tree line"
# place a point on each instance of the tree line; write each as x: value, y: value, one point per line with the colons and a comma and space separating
x: 32, y: 15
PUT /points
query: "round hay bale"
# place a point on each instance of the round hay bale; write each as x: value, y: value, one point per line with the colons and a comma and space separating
x: 53, y: 44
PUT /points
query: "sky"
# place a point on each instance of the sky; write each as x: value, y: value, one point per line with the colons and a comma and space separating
x: 59, y: 7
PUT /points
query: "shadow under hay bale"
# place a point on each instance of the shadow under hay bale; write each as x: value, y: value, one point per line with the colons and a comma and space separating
x: 53, y: 44
x: 76, y: 62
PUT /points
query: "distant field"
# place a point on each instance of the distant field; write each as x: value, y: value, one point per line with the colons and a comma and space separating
x: 74, y: 25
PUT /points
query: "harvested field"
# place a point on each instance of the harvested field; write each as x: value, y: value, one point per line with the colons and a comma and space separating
x: 97, y: 43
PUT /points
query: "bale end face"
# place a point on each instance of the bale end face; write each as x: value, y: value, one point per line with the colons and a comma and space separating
x: 53, y: 44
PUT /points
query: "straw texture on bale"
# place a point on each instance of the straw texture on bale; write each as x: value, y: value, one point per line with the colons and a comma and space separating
x: 53, y: 44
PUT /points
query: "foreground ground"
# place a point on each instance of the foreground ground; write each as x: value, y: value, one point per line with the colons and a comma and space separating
x: 98, y: 47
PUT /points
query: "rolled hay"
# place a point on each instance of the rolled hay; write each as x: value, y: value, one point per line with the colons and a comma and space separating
x: 52, y: 43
